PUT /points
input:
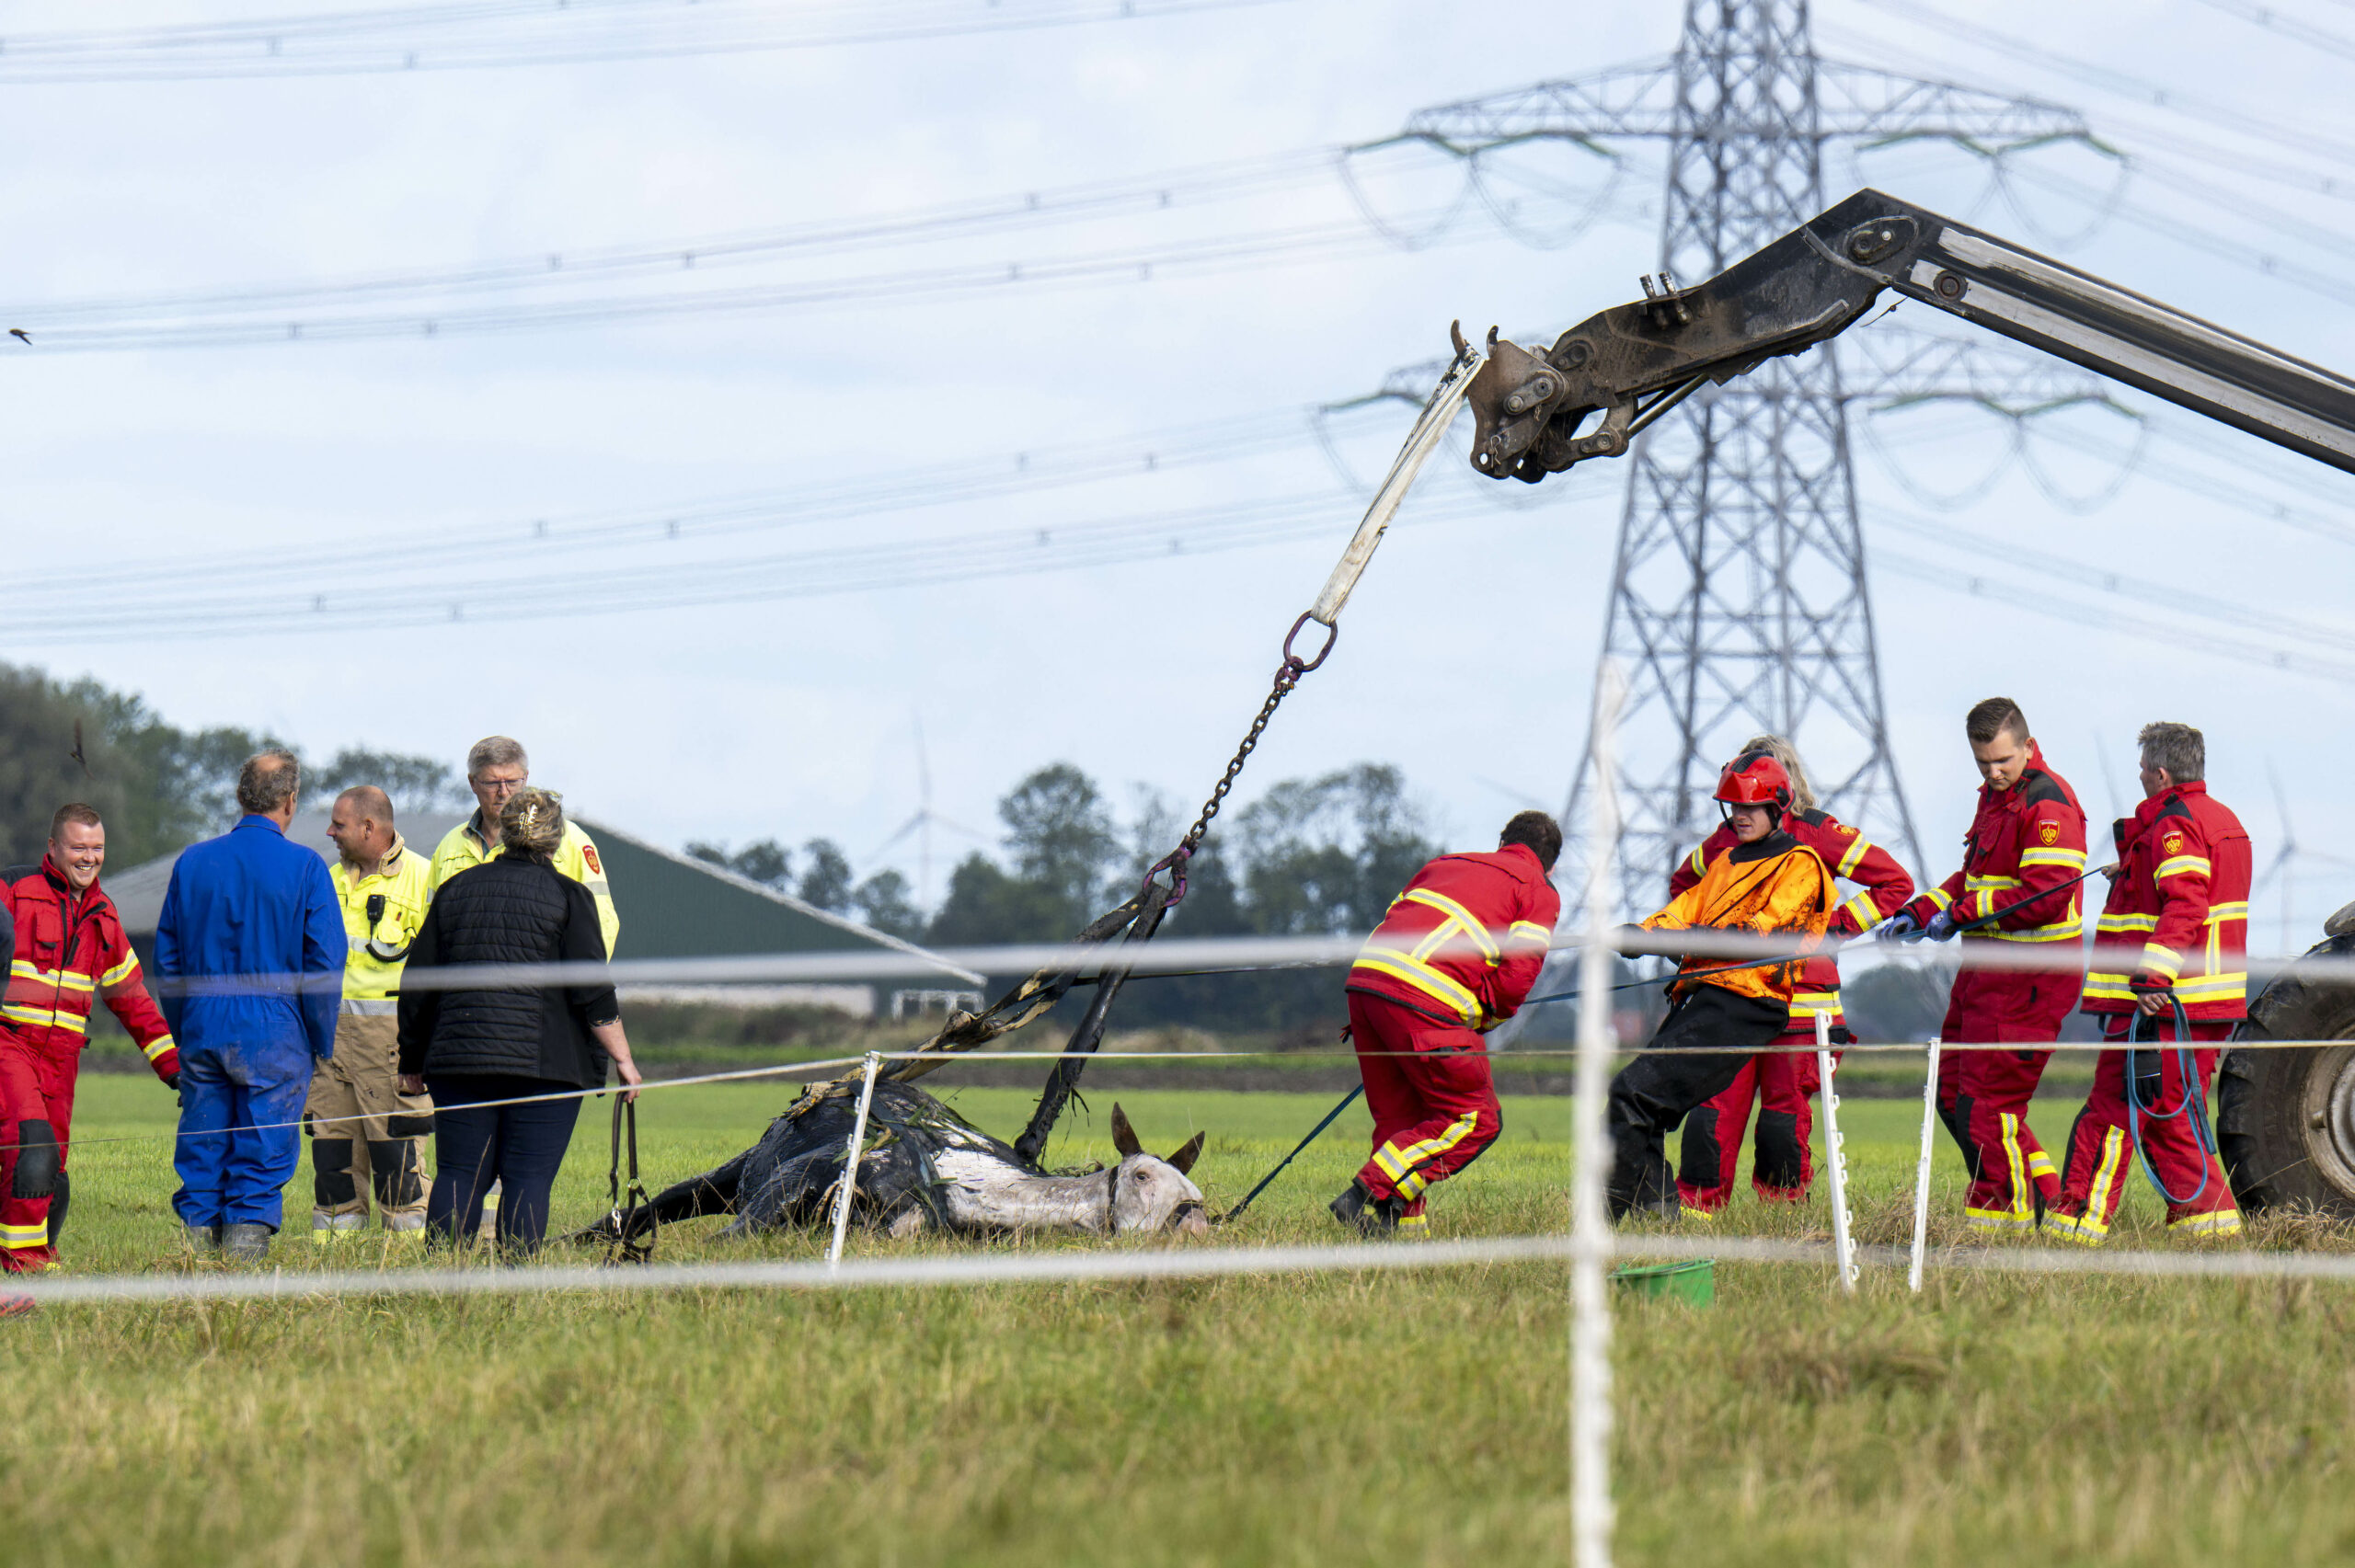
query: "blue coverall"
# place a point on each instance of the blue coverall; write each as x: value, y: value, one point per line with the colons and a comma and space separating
x: 251, y: 905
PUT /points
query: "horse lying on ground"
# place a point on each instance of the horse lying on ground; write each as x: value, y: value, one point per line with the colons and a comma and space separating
x: 925, y: 1167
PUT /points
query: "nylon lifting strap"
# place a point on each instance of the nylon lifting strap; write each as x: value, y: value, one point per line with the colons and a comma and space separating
x: 620, y: 1248
x: 1137, y: 918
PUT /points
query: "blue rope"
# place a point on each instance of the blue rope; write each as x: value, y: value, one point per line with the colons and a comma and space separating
x: 2187, y: 1069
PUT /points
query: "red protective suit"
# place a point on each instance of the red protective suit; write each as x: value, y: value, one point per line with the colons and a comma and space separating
x: 2182, y: 889
x: 1453, y: 959
x: 2024, y: 842
x: 70, y: 951
x: 1783, y: 1079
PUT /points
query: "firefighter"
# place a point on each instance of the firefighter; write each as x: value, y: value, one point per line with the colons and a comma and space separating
x: 70, y: 950
x: 2181, y: 892
x: 1769, y: 884
x: 1453, y: 959
x: 2022, y: 859
x: 1783, y: 1078
x: 496, y: 769
x: 366, y: 1135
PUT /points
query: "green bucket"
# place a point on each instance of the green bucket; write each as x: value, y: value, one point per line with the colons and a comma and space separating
x: 1692, y: 1282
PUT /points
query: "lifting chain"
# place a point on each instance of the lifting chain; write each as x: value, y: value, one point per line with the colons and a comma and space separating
x: 1287, y: 676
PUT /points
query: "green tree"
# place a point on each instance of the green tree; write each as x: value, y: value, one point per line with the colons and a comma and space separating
x: 415, y: 784
x: 767, y: 862
x: 883, y: 902
x: 1063, y: 839
x: 826, y: 883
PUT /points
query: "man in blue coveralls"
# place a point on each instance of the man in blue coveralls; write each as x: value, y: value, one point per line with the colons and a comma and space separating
x: 251, y: 946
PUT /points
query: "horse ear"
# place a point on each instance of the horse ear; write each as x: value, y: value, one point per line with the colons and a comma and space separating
x: 1183, y: 1161
x: 1124, y: 1136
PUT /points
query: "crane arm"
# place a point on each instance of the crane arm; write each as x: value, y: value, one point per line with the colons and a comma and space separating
x: 1633, y: 362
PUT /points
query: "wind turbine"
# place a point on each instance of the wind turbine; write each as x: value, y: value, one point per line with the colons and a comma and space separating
x: 2284, y: 863
x: 922, y: 822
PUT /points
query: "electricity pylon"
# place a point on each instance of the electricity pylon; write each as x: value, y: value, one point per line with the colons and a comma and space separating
x: 1738, y: 599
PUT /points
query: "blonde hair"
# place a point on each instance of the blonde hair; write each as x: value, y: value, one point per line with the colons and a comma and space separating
x: 531, y: 825
x: 1780, y: 748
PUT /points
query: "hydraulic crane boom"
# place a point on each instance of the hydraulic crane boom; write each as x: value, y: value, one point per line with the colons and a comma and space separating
x: 1634, y: 362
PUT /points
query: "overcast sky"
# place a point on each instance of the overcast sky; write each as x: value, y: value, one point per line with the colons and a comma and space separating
x: 1254, y: 295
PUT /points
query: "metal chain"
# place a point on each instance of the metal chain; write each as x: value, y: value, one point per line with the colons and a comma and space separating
x: 1287, y: 676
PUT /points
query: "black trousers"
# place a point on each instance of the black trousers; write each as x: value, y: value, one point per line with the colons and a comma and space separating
x: 1698, y: 1051
x: 520, y: 1147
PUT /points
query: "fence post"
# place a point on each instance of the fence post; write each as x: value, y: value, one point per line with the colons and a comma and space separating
x: 1921, y: 1171
x: 1835, y: 1156
x: 848, y: 1185
x: 1590, y: 1507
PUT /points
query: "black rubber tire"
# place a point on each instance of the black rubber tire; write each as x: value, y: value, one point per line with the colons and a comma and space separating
x: 2285, y: 1120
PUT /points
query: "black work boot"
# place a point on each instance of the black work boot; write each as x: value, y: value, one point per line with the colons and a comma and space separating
x: 1361, y: 1211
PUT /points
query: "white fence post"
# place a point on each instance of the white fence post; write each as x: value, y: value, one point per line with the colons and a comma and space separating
x: 1835, y: 1156
x: 1921, y: 1171
x: 848, y: 1185
x: 1590, y: 1508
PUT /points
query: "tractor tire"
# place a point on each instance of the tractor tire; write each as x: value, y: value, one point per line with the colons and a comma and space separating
x: 2285, y: 1118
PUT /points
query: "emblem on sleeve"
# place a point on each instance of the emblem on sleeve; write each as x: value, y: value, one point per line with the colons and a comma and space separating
x: 589, y: 853
x: 2049, y: 833
x: 2172, y: 843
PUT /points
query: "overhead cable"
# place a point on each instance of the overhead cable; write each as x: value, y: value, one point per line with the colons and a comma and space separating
x: 493, y: 33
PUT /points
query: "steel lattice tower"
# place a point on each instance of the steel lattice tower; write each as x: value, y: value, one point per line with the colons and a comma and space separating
x: 1739, y: 600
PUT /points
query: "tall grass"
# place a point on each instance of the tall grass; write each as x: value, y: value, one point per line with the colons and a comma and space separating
x: 1404, y: 1419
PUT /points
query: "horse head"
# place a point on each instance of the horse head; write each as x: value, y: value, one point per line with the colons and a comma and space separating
x: 1149, y: 1193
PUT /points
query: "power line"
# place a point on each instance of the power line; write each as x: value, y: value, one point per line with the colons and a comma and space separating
x: 533, y: 33
x: 2273, y: 21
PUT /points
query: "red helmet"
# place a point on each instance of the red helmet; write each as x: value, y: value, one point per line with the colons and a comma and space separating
x: 1755, y: 779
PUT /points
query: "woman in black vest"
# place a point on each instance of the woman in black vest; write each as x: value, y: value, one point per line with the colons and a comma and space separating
x: 471, y: 1047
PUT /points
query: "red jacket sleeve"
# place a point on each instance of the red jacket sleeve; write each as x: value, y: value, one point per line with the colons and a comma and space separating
x: 1885, y: 887
x: 2045, y: 866
x: 1688, y: 870
x: 1941, y: 896
x: 125, y: 992
x: 1524, y: 946
x: 2182, y: 871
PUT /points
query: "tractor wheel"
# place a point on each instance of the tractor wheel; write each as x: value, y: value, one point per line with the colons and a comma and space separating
x: 2285, y: 1120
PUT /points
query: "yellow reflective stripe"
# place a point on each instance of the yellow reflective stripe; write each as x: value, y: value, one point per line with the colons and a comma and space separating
x: 2070, y: 1227
x: 2097, y: 1205
x: 120, y: 972
x: 1982, y: 884
x: 2040, y: 1164
x: 1423, y: 978
x: 24, y: 971
x: 69, y: 981
x: 1940, y: 897
x: 1699, y: 866
x: 1401, y: 1164
x: 2059, y: 930
x: 2184, y: 865
x: 2015, y: 1162
x: 2109, y: 922
x: 22, y: 1238
x: 73, y: 1023
x: 2162, y: 960
x: 2222, y: 1222
x: 2108, y: 988
x: 38, y: 1017
x: 2207, y: 988
x: 1809, y: 1004
x: 2074, y: 860
x: 1863, y: 910
x: 158, y: 1046
x: 1529, y: 930
x: 1460, y: 915
x: 2219, y: 913
x: 1855, y: 857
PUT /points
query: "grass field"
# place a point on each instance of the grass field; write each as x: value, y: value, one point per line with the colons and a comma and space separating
x: 1402, y: 1419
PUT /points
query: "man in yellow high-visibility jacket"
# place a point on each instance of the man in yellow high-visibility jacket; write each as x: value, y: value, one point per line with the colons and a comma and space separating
x: 366, y: 1135
x: 496, y: 769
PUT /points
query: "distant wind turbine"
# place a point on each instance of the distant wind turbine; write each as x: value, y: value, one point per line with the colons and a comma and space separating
x: 921, y: 823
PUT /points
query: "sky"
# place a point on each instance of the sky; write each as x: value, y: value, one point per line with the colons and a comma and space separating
x: 679, y: 552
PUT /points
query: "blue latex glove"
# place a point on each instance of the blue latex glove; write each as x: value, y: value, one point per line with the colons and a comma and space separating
x: 1899, y: 927
x: 1941, y: 928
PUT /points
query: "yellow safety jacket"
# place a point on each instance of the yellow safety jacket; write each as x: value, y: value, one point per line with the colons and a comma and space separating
x: 379, y: 933
x: 577, y: 857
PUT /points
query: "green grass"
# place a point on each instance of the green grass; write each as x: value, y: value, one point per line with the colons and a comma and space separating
x: 1402, y: 1419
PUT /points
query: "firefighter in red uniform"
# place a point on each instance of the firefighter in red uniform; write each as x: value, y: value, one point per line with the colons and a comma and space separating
x: 70, y: 950
x: 1769, y: 885
x: 2022, y: 859
x: 2181, y: 896
x: 1453, y: 959
x: 1783, y: 1078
